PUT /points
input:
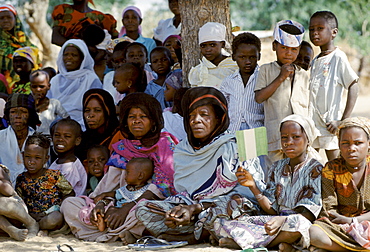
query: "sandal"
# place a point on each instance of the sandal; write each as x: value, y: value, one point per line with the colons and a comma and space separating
x: 59, y: 247
x: 152, y: 243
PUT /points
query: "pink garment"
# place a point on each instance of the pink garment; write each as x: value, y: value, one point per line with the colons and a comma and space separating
x: 75, y: 173
x: 138, y: 11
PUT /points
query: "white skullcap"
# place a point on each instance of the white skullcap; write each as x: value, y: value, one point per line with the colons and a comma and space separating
x: 212, y: 31
x: 288, y: 39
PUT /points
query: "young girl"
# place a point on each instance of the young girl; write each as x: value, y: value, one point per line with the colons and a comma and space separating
x: 161, y: 63
x: 42, y: 189
x: 47, y: 109
x: 292, y: 198
x: 173, y: 43
x: 216, y: 63
x: 97, y: 157
x: 345, y: 192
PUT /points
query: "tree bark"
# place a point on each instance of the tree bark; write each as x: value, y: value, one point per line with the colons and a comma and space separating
x: 194, y: 14
x: 35, y: 12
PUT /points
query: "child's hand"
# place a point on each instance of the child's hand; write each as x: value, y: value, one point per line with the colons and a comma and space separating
x: 98, y: 210
x: 333, y: 126
x: 339, y: 219
x: 101, y: 197
x: 245, y: 178
x: 286, y: 70
x: 274, y: 224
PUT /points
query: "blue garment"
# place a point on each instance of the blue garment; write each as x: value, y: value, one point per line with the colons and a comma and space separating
x: 157, y: 92
x: 148, y: 42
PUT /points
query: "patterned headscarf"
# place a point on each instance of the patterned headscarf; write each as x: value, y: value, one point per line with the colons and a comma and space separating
x: 30, y: 53
x: 174, y: 79
x: 112, y: 44
x: 288, y: 39
x: 200, y: 96
x: 138, y: 11
x: 361, y: 122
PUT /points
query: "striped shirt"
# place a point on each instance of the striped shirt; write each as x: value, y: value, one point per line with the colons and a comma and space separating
x: 241, y: 102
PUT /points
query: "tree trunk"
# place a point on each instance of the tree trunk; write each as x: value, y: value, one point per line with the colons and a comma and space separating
x: 194, y: 14
x: 35, y: 12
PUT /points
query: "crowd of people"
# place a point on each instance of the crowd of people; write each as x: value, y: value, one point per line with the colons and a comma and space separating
x: 112, y: 146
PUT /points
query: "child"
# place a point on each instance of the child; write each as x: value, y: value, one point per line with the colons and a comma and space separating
x: 305, y: 56
x: 97, y: 157
x: 128, y: 79
x: 282, y: 86
x: 170, y: 26
x: 66, y: 135
x: 331, y: 73
x: 47, y: 109
x: 138, y: 172
x: 216, y: 63
x: 12, y: 207
x: 173, y: 83
x: 51, y: 72
x: 24, y: 62
x: 173, y: 43
x: 161, y: 63
x: 42, y: 189
x: 238, y: 88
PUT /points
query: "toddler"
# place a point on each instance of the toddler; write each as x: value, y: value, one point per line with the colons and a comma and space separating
x: 216, y: 63
x: 281, y: 85
x: 161, y: 63
x: 331, y: 73
x: 42, y: 189
x: 97, y: 157
x: 13, y: 207
x: 66, y: 135
x: 47, y: 109
x: 305, y: 56
x: 128, y: 79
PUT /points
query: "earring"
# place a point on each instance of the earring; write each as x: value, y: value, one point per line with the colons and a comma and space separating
x: 155, y: 128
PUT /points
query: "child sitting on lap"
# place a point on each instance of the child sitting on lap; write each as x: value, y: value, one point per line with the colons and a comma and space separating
x: 42, y: 189
x: 66, y: 135
x: 13, y: 207
x: 96, y: 158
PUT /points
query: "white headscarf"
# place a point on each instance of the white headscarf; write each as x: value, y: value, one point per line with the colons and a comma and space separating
x: 213, y: 31
x: 69, y: 87
x: 285, y: 38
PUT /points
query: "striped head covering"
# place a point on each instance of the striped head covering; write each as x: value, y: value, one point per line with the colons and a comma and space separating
x: 138, y: 11
x: 174, y: 79
x: 8, y: 7
x: 30, y: 53
x: 361, y: 122
x: 291, y: 39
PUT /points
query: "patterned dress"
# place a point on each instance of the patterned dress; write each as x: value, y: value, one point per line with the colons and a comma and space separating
x: 286, y: 192
x: 44, y: 192
x: 340, y: 194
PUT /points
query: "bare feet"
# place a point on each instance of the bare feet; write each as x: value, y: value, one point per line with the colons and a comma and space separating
x: 127, y: 238
x: 33, y: 229
x: 286, y: 247
x: 101, y: 223
x: 42, y: 233
x: 314, y: 249
x: 213, y: 241
x: 17, y: 234
x: 228, y: 243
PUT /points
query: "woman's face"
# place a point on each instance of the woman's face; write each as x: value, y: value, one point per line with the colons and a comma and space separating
x: 138, y: 123
x: 94, y: 114
x: 72, y: 58
x: 7, y: 20
x: 354, y: 146
x: 293, y: 140
x: 18, y: 118
x: 203, y: 121
x: 131, y: 21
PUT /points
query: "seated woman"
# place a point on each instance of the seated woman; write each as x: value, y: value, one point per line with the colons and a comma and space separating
x: 141, y: 123
x: 292, y: 198
x: 76, y: 76
x: 345, y: 192
x: 205, y: 166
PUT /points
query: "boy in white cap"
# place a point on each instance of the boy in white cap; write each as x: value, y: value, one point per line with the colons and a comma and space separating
x: 281, y: 85
x: 216, y: 63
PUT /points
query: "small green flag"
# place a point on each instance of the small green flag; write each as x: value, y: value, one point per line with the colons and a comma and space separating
x: 251, y: 143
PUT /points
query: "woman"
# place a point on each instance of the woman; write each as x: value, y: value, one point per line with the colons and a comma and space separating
x: 141, y: 123
x: 21, y: 115
x: 69, y: 21
x: 346, y: 192
x: 99, y: 113
x: 205, y: 166
x: 76, y: 76
x: 12, y: 37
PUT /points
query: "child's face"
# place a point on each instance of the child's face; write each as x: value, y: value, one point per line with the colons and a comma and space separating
x: 18, y: 118
x: 174, y: 7
x: 160, y: 63
x: 94, y: 114
x: 132, y: 175
x: 131, y: 21
x: 285, y: 54
x: 293, y: 140
x: 320, y: 32
x: 118, y: 58
x: 136, y: 54
x: 71, y: 58
x: 169, y: 93
x: 22, y: 66
x: 122, y: 82
x: 211, y: 50
x: 246, y: 56
x: 64, y: 138
x: 96, y: 160
x: 39, y: 86
x: 304, y: 57
x: 172, y: 44
x: 34, y: 158
x: 354, y: 146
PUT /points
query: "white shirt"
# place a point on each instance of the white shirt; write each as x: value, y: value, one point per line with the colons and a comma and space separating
x: 166, y: 28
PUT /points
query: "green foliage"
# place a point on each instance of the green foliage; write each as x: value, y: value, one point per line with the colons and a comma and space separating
x: 263, y: 14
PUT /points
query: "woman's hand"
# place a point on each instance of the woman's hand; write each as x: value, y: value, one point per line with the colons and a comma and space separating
x: 338, y: 218
x: 98, y: 210
x: 115, y: 217
x: 103, y: 195
x: 245, y: 178
x: 179, y: 215
x: 273, y: 226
